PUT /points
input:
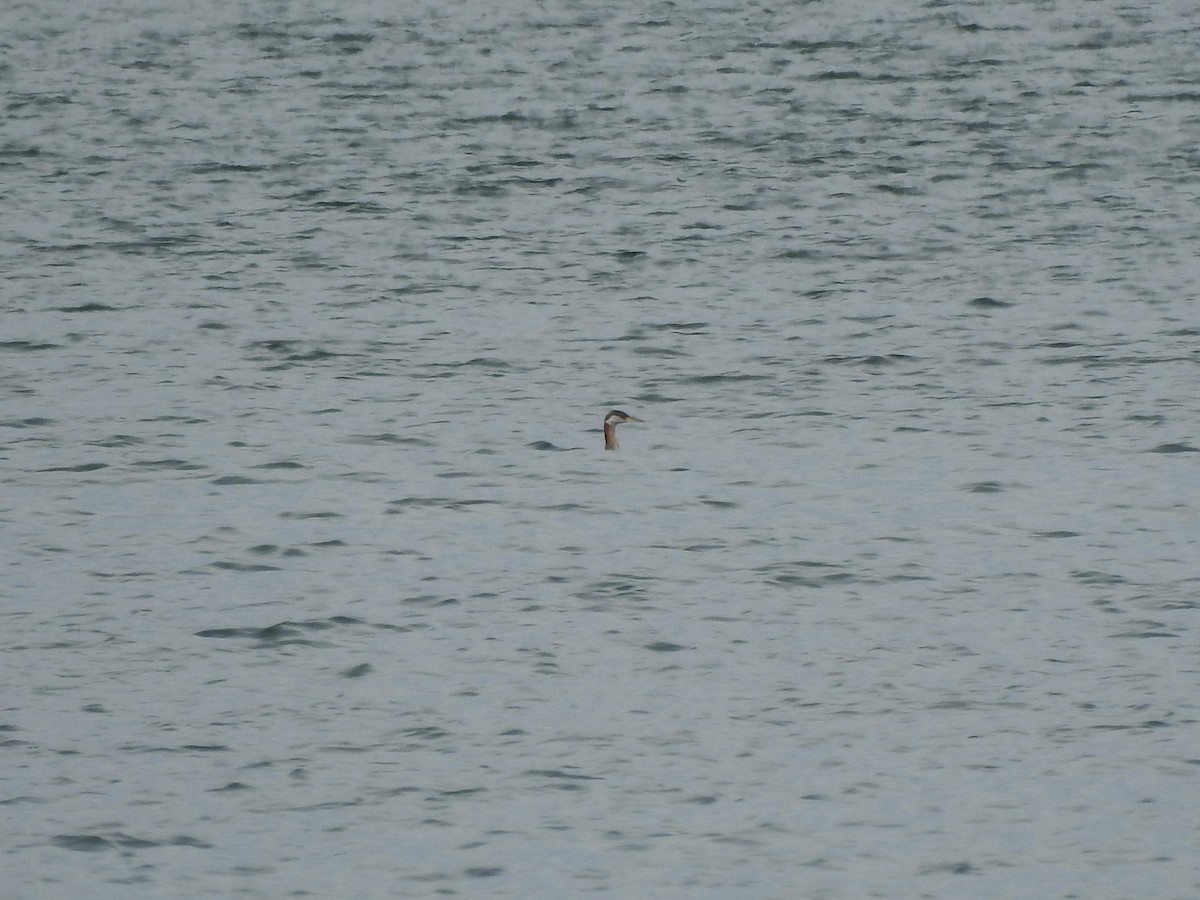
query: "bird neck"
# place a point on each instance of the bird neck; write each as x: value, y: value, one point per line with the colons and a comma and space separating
x: 610, y: 436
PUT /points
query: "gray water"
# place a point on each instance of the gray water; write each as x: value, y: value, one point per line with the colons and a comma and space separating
x: 316, y: 579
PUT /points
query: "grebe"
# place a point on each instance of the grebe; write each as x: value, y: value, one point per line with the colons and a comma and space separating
x: 611, y: 421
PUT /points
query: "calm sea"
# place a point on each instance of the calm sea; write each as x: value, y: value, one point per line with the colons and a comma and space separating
x: 316, y: 581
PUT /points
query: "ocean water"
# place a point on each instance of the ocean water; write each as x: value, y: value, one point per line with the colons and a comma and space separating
x: 317, y: 582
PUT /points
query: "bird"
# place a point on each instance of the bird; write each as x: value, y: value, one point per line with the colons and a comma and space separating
x: 614, y: 418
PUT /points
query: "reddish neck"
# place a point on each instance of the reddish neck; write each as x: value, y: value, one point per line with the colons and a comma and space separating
x: 610, y: 436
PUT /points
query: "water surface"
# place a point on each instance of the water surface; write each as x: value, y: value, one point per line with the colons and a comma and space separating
x: 317, y: 581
